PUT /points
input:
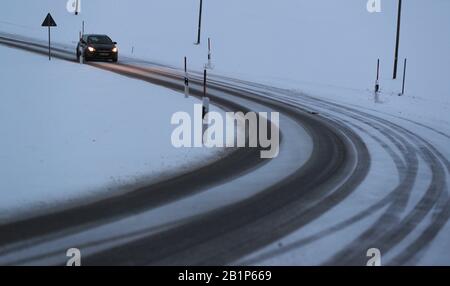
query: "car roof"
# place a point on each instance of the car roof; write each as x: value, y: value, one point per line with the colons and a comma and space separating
x: 96, y: 35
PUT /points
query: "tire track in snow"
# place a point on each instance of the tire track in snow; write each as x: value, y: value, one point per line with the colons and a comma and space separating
x: 375, y: 236
x: 332, y: 150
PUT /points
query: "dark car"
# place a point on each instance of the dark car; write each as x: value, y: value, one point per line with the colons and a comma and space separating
x: 97, y: 47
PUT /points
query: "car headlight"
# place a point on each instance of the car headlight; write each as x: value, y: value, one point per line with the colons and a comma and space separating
x: 91, y: 49
x: 115, y: 50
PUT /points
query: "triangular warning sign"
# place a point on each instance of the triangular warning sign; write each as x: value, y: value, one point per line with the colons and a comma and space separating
x: 49, y: 22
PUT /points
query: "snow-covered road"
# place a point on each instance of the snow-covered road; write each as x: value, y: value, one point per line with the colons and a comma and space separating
x: 402, y: 206
x: 370, y: 181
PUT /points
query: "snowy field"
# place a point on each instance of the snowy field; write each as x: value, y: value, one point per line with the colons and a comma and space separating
x: 72, y: 132
x: 320, y: 42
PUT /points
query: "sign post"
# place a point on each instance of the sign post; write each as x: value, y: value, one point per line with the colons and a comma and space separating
x: 49, y: 22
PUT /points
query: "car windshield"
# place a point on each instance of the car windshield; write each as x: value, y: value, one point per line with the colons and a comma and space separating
x: 99, y: 40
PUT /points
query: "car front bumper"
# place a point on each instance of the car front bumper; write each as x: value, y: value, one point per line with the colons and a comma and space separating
x: 101, y: 55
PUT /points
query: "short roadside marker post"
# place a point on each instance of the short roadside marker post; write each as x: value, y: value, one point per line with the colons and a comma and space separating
x: 205, y: 104
x: 377, y: 83
x: 80, y: 58
x: 186, y: 79
x: 404, y: 78
x: 204, y: 83
x: 49, y: 22
x: 205, y: 109
x: 209, y: 65
x: 82, y: 28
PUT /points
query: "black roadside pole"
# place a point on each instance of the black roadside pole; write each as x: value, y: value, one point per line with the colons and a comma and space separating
x: 49, y: 22
x: 397, y: 43
x: 199, y: 23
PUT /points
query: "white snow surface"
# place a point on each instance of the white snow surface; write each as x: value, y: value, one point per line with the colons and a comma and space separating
x: 322, y: 41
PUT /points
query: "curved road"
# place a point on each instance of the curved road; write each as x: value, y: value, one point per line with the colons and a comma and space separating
x: 249, y: 230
